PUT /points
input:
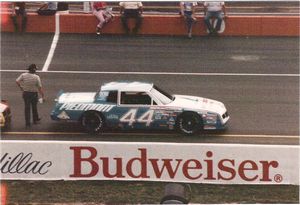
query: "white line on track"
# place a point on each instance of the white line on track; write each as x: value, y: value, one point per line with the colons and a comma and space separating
x: 166, y: 73
x: 53, y: 45
x: 154, y: 134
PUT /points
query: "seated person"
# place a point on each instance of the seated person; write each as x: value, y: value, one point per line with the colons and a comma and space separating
x: 131, y: 10
x: 47, y: 9
x: 103, y: 16
x: 213, y: 9
x: 187, y: 10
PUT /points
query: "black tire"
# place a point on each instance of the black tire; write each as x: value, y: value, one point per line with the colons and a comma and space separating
x: 171, y: 199
x: 189, y: 123
x: 93, y: 122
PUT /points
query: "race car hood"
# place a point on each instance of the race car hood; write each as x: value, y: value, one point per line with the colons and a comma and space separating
x: 198, y: 103
x: 76, y: 97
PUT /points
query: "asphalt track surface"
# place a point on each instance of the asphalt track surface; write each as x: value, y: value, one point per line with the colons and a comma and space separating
x: 257, y: 78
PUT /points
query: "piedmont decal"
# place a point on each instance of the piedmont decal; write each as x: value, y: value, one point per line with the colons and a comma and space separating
x: 173, y: 162
x: 86, y: 106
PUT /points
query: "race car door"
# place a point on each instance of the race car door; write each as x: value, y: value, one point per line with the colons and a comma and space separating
x: 136, y: 109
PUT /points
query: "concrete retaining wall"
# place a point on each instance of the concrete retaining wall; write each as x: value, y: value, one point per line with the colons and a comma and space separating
x: 161, y: 25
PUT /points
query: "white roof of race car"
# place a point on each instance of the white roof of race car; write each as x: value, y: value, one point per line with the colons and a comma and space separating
x: 127, y: 86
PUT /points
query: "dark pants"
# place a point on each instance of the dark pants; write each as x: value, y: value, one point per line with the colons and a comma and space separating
x: 189, y: 20
x: 23, y: 14
x: 131, y: 13
x: 30, y: 100
x: 46, y: 12
x: 213, y: 14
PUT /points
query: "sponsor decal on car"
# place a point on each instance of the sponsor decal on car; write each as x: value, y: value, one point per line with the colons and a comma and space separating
x: 63, y: 116
x: 209, y: 127
x: 86, y: 106
x: 171, y: 121
x: 112, y: 117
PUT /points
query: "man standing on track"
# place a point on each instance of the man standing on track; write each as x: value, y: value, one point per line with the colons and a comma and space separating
x: 30, y: 84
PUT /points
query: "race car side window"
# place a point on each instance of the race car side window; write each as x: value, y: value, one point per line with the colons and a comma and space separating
x: 112, y: 97
x: 135, y: 98
x: 107, y: 96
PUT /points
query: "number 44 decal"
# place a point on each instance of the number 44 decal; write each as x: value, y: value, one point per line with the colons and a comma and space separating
x: 130, y: 117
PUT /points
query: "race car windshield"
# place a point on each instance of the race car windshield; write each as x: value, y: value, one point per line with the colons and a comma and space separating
x: 163, y: 96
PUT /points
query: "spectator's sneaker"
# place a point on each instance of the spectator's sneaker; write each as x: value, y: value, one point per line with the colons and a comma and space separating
x: 215, y: 32
x: 189, y: 35
x: 98, y: 31
x: 211, y: 32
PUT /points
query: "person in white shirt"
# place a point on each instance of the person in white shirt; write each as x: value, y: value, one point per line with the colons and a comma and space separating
x: 30, y: 84
x: 214, y: 9
x: 131, y: 9
x: 48, y: 8
x: 187, y: 10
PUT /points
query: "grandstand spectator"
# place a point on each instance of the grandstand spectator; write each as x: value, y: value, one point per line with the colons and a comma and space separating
x: 187, y: 10
x: 48, y: 8
x: 62, y: 6
x: 18, y: 9
x: 131, y: 9
x: 102, y: 14
x: 213, y: 9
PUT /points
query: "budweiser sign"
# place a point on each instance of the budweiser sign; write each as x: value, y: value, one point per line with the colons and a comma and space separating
x: 190, y: 163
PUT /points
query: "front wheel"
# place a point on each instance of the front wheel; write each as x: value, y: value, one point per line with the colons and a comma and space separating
x: 189, y: 123
x: 93, y: 122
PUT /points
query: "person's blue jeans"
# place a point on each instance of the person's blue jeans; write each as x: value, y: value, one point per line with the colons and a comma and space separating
x: 213, y: 14
x: 189, y: 20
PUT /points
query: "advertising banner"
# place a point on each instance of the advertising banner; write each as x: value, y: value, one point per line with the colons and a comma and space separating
x: 172, y: 162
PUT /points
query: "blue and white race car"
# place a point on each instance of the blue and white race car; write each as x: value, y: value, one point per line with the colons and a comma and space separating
x: 139, y: 105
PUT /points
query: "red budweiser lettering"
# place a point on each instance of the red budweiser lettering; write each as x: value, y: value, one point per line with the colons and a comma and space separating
x: 89, y: 163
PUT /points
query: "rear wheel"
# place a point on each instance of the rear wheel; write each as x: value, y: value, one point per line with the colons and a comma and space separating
x: 93, y: 122
x: 189, y: 123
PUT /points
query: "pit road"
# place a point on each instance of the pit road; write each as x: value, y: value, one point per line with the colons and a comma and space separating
x: 256, y: 78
